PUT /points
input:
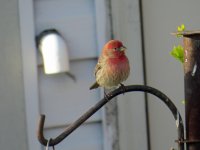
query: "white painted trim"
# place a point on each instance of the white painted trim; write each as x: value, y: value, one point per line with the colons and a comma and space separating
x: 103, y: 35
x: 132, y: 116
x: 102, y: 23
x: 29, y: 61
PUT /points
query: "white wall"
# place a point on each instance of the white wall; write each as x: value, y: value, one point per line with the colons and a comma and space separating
x: 12, y: 115
x: 75, y: 20
x: 163, y: 72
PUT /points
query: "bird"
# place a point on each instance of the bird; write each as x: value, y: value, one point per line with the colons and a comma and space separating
x: 112, y: 67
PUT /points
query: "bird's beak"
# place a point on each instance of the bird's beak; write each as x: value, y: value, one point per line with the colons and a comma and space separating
x: 123, y: 48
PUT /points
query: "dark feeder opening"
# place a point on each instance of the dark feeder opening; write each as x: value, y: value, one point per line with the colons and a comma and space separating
x: 191, y: 43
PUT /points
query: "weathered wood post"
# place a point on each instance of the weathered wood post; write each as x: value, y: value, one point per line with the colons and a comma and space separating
x: 191, y: 42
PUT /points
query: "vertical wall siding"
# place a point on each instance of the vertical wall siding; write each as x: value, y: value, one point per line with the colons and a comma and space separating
x: 12, y: 107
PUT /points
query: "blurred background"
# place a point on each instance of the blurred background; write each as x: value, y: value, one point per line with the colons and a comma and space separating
x: 133, y: 121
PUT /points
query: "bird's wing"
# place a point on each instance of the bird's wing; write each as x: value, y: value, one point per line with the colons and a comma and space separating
x: 98, y: 66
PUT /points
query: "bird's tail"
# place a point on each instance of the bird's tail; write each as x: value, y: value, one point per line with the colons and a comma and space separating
x: 94, y: 86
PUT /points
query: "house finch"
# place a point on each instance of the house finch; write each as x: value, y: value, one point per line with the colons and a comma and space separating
x: 112, y: 67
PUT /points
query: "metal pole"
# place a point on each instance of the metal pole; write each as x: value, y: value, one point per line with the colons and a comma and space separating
x: 191, y: 42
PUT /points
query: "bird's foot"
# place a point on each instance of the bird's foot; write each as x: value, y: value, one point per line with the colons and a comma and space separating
x: 122, y: 86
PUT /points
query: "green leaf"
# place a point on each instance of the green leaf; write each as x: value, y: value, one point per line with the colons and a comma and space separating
x: 178, y: 53
x: 180, y: 28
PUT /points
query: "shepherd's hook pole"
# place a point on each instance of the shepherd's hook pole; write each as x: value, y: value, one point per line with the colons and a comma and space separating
x: 92, y: 110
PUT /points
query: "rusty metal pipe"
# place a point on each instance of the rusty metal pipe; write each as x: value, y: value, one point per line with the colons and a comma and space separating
x: 191, y: 42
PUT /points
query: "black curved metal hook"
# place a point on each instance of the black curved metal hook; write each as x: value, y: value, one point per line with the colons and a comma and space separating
x: 92, y: 110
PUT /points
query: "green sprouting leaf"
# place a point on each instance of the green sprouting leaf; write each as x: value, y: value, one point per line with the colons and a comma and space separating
x: 178, y: 53
x: 180, y: 28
